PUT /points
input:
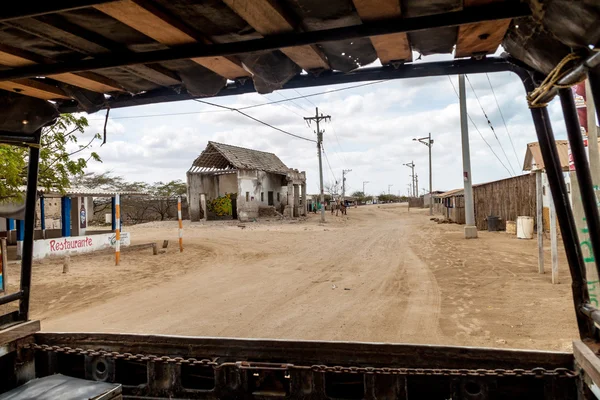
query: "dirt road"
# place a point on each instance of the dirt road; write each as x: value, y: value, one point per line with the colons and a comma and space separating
x: 380, y: 274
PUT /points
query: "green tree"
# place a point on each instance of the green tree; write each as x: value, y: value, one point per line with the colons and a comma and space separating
x: 164, y: 197
x: 360, y: 197
x: 59, y: 164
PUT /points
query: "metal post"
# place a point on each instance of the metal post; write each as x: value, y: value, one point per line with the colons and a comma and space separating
x: 180, y: 224
x: 564, y: 213
x: 113, y: 213
x: 42, y: 217
x: 539, y: 210
x: 364, y: 193
x: 584, y: 177
x: 4, y: 262
x: 470, y: 228
x: 118, y: 230
x: 30, y: 200
x: 430, y: 177
x: 65, y: 216
x: 389, y: 186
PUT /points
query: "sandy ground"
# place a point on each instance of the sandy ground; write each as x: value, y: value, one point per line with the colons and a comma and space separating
x: 380, y: 274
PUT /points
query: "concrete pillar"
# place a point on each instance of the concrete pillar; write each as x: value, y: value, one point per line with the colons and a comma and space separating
x: 290, y: 199
x: 303, y: 200
x: 203, y: 205
x: 296, y: 200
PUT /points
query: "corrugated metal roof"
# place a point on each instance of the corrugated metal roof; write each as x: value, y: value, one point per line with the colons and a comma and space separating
x: 86, y: 192
x: 533, y: 156
x: 222, y: 157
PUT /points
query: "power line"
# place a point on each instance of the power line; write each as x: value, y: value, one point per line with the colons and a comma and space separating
x: 491, y: 126
x: 257, y: 120
x: 313, y: 94
x: 338, y: 143
x: 247, y: 107
x: 292, y: 101
x: 307, y: 99
x: 330, y: 169
x: 286, y: 107
x: 503, y: 120
x: 160, y: 115
x: 478, y: 131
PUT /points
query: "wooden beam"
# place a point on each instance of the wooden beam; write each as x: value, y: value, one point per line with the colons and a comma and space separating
x: 587, y: 359
x: 480, y: 38
x: 158, y: 26
x: 59, y: 30
x: 19, y: 331
x: 33, y: 88
x: 26, y: 9
x: 87, y: 80
x: 394, y: 47
x: 268, y: 18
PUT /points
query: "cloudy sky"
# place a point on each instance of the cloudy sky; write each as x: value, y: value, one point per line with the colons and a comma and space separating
x: 370, y: 132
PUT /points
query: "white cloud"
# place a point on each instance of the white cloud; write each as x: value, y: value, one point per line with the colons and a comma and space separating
x: 371, y: 132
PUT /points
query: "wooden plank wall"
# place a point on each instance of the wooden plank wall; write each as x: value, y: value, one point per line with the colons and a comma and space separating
x: 506, y: 199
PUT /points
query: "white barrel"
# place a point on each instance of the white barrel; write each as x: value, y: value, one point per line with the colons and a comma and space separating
x: 525, y: 227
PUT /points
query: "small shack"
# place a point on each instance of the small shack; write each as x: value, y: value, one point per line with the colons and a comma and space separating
x: 231, y: 182
x: 506, y: 198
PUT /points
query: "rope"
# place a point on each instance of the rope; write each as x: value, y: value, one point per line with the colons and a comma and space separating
x: 551, y: 80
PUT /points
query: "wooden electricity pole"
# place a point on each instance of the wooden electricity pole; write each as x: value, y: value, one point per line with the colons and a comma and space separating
x: 318, y: 118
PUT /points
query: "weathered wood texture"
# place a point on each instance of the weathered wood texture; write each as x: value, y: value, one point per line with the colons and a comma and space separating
x: 587, y: 360
x: 507, y: 199
x: 389, y: 47
x: 268, y: 18
x: 19, y: 331
x: 482, y: 37
x: 154, y: 24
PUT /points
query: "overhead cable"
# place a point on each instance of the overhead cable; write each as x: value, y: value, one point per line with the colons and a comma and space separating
x: 490, y: 125
x: 478, y: 131
x: 503, y: 120
x: 256, y: 119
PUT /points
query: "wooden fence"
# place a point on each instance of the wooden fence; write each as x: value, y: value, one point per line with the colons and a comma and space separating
x: 506, y: 199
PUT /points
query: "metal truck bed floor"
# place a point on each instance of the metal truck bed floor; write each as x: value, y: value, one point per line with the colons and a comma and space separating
x: 64, y: 388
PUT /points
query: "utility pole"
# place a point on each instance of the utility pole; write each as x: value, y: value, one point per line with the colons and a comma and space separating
x: 344, y: 172
x: 318, y: 118
x: 389, y: 186
x: 365, y: 182
x: 470, y: 228
x: 411, y: 165
x: 429, y: 143
x: 416, y: 185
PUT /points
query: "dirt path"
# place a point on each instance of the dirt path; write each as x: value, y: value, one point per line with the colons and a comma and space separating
x: 380, y: 274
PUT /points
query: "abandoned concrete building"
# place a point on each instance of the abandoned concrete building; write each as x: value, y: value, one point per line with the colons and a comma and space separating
x: 230, y: 182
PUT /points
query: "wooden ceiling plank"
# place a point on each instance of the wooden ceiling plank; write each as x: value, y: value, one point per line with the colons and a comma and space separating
x: 268, y: 18
x: 33, y: 88
x: 156, y: 26
x: 57, y: 29
x: 89, y: 81
x: 480, y: 38
x: 394, y: 47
